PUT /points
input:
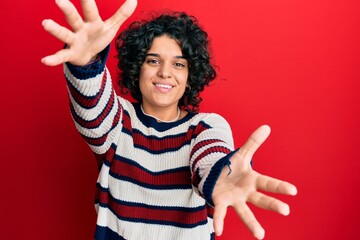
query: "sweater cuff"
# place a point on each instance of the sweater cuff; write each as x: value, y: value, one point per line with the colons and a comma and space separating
x: 92, y: 69
x: 214, y: 174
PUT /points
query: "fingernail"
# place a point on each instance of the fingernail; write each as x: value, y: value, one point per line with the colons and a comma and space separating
x: 44, y: 22
x: 286, y: 211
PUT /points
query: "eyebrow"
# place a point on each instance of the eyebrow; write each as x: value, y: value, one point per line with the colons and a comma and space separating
x: 158, y: 55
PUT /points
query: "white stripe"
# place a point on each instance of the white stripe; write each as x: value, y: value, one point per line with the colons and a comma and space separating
x: 93, y: 113
x: 103, y: 178
x: 153, y: 162
x: 129, y: 192
x: 104, y: 126
x: 199, y: 151
x: 114, y: 134
x: 135, y: 231
x: 88, y: 87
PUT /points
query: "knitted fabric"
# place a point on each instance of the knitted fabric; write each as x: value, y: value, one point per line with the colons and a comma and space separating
x: 156, y: 179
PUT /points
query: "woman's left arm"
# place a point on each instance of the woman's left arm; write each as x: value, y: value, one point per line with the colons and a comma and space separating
x: 242, y: 185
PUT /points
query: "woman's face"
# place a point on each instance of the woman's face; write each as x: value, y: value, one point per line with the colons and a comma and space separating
x: 164, y: 74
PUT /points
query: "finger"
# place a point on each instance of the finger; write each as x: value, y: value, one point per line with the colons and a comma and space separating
x: 269, y: 203
x: 255, y: 140
x: 249, y: 220
x: 60, y: 32
x: 274, y: 185
x: 90, y: 10
x: 72, y: 16
x: 59, y: 57
x: 219, y: 215
x: 123, y: 13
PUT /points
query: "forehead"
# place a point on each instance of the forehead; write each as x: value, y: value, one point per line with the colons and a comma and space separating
x: 164, y: 45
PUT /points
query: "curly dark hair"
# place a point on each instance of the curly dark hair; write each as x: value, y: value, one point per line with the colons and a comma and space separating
x: 133, y: 44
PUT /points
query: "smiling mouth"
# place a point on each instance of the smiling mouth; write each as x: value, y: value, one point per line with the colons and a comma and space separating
x: 163, y: 86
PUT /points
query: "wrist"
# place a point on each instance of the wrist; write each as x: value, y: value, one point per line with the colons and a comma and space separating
x: 96, y: 58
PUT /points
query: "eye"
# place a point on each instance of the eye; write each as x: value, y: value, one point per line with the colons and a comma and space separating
x: 179, y: 65
x: 152, y: 61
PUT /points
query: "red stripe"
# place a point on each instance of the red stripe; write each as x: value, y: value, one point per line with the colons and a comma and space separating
x: 214, y: 149
x: 181, y: 177
x: 158, y: 144
x: 200, y: 128
x: 126, y: 121
x: 87, y: 102
x: 195, y: 179
x: 167, y: 142
x: 100, y: 141
x: 97, y: 121
x: 210, y: 211
x: 154, y: 214
x: 108, y: 156
x: 202, y: 144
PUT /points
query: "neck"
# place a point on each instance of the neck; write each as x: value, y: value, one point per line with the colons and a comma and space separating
x: 170, y: 114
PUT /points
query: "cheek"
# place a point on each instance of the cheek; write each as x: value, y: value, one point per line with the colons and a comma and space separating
x: 183, y: 78
x: 142, y: 79
x: 145, y: 76
x: 183, y: 82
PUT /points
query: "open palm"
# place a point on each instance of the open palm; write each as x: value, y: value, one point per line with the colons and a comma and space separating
x: 88, y: 36
x: 242, y: 185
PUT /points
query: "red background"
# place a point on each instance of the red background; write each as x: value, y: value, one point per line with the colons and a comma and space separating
x: 291, y: 64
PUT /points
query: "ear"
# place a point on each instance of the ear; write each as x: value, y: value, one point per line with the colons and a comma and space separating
x: 187, y: 88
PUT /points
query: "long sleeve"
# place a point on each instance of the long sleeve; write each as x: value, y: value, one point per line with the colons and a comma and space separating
x: 94, y: 105
x: 211, y: 151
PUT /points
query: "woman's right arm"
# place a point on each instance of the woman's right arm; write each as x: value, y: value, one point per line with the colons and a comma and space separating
x: 94, y: 105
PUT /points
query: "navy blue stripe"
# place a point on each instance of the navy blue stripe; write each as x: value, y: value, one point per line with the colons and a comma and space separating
x: 105, y: 233
x: 126, y: 131
x: 205, y: 125
x: 101, y: 188
x: 142, y: 205
x: 107, y: 192
x: 150, y: 122
x: 107, y: 162
x: 91, y: 70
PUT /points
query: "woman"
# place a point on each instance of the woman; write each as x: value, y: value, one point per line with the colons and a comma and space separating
x: 167, y: 172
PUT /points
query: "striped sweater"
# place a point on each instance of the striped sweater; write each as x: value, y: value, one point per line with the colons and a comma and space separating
x: 155, y: 179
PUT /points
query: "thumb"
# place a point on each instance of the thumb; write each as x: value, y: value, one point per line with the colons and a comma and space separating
x: 123, y: 13
x: 255, y: 140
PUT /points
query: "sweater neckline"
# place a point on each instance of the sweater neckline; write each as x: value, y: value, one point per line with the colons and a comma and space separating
x: 149, y: 121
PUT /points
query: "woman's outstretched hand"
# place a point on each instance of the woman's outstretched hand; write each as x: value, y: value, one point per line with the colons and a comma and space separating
x: 242, y: 185
x: 88, y: 36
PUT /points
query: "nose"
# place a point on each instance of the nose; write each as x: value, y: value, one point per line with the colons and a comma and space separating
x: 165, y: 70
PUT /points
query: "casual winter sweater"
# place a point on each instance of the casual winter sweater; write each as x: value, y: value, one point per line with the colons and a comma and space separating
x: 155, y: 179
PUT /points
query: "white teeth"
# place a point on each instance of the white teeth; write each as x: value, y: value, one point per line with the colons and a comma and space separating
x: 163, y: 86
